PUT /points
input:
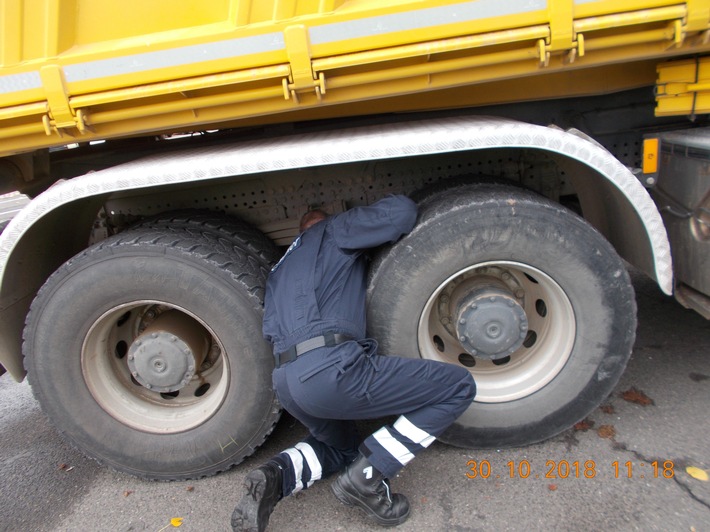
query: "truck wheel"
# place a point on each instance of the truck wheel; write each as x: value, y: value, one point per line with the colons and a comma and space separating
x: 229, y: 230
x: 146, y: 352
x: 522, y: 292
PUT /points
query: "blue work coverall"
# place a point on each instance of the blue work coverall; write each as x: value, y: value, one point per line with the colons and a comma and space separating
x: 319, y: 287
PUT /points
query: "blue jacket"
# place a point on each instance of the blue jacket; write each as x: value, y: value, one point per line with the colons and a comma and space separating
x: 320, y: 283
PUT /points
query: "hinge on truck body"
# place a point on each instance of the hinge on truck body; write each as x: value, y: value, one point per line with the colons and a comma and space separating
x: 302, y: 77
x: 61, y: 115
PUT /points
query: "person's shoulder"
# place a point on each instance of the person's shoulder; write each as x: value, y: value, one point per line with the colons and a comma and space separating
x: 294, y: 245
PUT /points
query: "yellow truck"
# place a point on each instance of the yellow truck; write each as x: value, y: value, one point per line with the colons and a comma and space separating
x: 170, y: 149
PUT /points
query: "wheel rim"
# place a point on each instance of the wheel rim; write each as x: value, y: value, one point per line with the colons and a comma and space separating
x: 141, y: 401
x: 513, y: 368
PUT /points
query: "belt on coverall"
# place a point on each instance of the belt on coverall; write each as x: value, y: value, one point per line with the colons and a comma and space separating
x: 328, y: 339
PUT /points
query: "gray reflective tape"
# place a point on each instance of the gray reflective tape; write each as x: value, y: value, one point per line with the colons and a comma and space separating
x: 297, y: 462
x: 409, y: 430
x: 393, y: 446
x: 312, y: 460
x: 175, y: 57
x: 20, y: 82
x: 422, y: 18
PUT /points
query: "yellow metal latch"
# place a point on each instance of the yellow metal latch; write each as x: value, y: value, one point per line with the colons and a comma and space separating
x: 61, y: 116
x: 683, y: 87
x: 302, y: 77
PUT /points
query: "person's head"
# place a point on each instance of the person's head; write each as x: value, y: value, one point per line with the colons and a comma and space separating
x: 311, y: 218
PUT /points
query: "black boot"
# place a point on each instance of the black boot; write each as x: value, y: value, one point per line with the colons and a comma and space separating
x: 364, y: 486
x: 263, y: 491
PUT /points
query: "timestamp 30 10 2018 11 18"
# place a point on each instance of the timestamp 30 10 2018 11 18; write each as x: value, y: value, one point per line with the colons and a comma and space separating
x: 557, y: 469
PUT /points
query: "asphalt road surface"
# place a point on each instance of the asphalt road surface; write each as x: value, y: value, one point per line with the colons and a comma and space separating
x: 625, y: 466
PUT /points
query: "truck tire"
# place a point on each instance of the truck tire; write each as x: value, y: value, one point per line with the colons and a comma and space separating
x: 231, y: 231
x: 524, y: 293
x: 432, y: 190
x: 146, y: 352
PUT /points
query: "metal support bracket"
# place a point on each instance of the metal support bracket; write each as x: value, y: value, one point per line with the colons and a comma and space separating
x: 544, y: 53
x: 302, y: 77
x: 577, y: 50
x: 679, y: 33
x: 683, y: 88
x: 61, y: 117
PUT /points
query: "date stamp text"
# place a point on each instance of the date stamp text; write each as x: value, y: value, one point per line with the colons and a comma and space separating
x: 561, y: 469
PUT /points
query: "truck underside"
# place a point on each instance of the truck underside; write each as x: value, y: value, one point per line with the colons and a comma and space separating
x: 203, y: 205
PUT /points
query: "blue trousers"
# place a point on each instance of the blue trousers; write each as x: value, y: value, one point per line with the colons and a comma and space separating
x: 327, y: 388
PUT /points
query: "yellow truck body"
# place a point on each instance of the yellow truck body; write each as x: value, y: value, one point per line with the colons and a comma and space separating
x: 73, y: 71
x: 170, y: 147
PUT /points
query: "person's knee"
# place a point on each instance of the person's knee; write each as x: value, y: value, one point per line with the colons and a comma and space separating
x: 466, y: 389
x: 470, y: 385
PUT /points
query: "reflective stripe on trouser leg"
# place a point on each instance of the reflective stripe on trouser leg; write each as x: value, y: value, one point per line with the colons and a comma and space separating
x: 304, y: 470
x: 409, y: 430
x: 312, y: 461
x: 394, y: 446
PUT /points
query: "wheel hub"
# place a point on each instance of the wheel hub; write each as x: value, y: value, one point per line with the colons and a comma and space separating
x: 166, y: 356
x: 490, y: 323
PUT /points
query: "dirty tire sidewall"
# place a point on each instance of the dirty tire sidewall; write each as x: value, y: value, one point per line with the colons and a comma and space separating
x: 130, y: 270
x: 493, y: 223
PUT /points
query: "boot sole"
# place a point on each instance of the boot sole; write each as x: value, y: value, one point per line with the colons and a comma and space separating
x: 350, y: 500
x: 246, y: 516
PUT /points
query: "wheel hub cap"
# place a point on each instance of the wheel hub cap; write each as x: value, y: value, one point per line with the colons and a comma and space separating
x: 490, y: 323
x: 166, y: 356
